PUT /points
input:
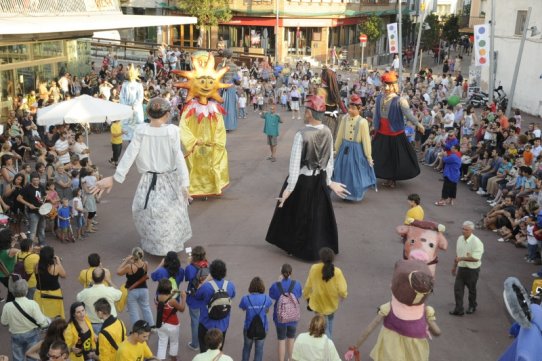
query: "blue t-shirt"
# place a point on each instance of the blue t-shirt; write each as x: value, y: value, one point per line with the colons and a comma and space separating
x: 65, y: 213
x: 274, y: 293
x: 162, y: 273
x: 255, y: 304
x: 204, y: 294
x: 409, y: 132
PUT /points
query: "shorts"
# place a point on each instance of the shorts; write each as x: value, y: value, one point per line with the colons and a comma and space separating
x: 284, y: 332
x: 294, y: 105
x: 79, y: 221
x: 272, y: 140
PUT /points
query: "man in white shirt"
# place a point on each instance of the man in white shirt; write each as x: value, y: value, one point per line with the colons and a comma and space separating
x: 62, y: 148
x: 449, y: 118
x: 537, y: 148
x: 92, y: 294
x: 24, y: 318
x: 64, y: 84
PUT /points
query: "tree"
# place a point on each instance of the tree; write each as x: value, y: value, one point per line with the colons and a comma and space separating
x: 430, y: 37
x: 408, y: 29
x: 373, y: 27
x: 209, y: 12
x: 450, y: 29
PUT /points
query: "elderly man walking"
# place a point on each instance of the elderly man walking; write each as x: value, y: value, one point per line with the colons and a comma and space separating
x: 468, y: 260
x: 24, y: 319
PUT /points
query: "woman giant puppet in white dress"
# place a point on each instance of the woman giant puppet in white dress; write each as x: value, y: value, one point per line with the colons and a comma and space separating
x: 160, y: 204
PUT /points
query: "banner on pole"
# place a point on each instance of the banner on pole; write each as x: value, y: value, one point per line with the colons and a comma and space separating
x: 393, y: 38
x: 481, y: 45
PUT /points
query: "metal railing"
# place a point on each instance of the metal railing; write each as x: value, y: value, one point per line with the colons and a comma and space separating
x: 49, y: 7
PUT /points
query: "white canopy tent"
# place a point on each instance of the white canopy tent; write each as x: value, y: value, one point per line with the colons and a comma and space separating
x: 83, y: 109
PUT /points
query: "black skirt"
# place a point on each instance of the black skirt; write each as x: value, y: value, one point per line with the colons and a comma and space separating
x: 449, y: 189
x: 306, y: 223
x: 394, y: 157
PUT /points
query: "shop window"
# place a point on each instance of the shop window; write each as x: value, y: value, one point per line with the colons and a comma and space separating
x: 48, y: 49
x: 13, y: 53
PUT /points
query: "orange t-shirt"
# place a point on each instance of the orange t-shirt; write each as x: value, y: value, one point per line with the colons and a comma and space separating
x: 528, y: 157
x: 505, y: 124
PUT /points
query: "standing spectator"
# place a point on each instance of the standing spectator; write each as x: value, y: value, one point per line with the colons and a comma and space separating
x: 242, y: 105
x: 195, y: 273
x: 205, y: 292
x: 271, y: 129
x: 135, y: 270
x: 29, y: 258
x: 85, y: 276
x: 79, y: 335
x: 24, y: 319
x: 48, y: 292
x: 294, y: 102
x: 116, y: 141
x: 64, y: 222
x: 169, y: 268
x: 214, y: 339
x: 287, y: 287
x: 415, y: 211
x: 78, y: 213
x: 64, y: 84
x: 315, y: 345
x: 469, y: 251
x: 112, y: 333
x: 325, y: 287
x: 97, y: 291
x: 63, y: 183
x: 452, y: 172
x: 135, y: 346
x: 167, y: 308
x: 8, y: 258
x: 16, y: 209
x: 62, y: 148
x: 255, y: 304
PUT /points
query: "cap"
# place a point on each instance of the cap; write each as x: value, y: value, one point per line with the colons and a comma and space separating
x: 316, y: 103
x: 158, y: 107
x: 390, y: 77
x: 355, y: 99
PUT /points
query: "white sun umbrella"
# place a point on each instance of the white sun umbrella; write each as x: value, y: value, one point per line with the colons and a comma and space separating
x: 83, y: 109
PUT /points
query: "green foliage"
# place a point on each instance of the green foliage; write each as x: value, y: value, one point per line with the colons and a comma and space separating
x: 208, y: 12
x: 430, y: 37
x: 373, y: 27
x: 450, y: 29
x: 408, y: 29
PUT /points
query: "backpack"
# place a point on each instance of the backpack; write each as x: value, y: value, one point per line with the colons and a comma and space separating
x: 288, y: 309
x: 256, y: 329
x: 201, y: 274
x: 19, y: 268
x: 219, y: 306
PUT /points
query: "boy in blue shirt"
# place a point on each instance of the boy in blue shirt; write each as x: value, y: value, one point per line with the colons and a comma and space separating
x: 409, y: 132
x: 271, y: 129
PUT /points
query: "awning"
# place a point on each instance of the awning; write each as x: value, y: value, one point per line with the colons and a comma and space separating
x: 466, y: 30
x: 79, y: 24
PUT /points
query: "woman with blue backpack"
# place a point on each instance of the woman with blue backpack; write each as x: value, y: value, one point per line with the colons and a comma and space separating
x: 256, y: 305
x: 286, y: 313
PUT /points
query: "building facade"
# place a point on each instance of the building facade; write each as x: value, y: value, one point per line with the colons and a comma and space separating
x: 510, y: 18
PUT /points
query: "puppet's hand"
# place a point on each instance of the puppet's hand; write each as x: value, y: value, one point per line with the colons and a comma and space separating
x: 105, y: 184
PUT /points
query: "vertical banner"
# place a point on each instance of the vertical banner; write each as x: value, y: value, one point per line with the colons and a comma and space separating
x: 475, y: 76
x: 393, y: 38
x: 481, y: 45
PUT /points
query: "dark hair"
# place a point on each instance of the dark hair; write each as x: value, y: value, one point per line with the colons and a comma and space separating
x: 93, y: 260
x: 47, y: 258
x: 414, y: 197
x: 326, y: 256
x: 98, y: 275
x: 25, y: 244
x: 217, y: 269
x: 141, y: 326
x: 286, y: 270
x: 49, y: 158
x: 74, y: 306
x: 34, y: 175
x: 198, y: 254
x: 5, y: 158
x: 55, y: 332
x: 77, y: 135
x: 102, y: 305
x: 18, y: 175
x: 172, y: 264
x: 256, y: 286
x: 5, y: 238
x: 164, y: 287
x: 213, y: 338
x: 61, y: 346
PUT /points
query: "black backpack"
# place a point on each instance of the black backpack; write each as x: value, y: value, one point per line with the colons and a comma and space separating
x: 219, y: 306
x: 256, y: 329
x: 201, y: 274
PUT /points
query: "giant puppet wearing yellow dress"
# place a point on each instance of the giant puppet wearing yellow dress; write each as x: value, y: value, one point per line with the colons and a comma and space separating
x: 203, y: 134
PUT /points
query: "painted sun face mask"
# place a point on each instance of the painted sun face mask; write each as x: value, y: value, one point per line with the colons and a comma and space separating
x: 203, y: 82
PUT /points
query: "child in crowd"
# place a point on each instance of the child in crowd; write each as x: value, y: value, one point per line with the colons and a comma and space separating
x: 415, y: 211
x: 242, y: 106
x: 64, y: 217
x: 271, y: 129
x: 261, y: 101
x: 284, y: 100
x: 409, y: 132
x: 116, y: 142
x: 532, y: 242
x: 255, y: 101
x: 75, y: 179
x: 51, y: 194
x: 78, y: 213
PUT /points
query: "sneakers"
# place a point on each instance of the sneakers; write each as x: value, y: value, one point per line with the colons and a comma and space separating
x: 492, y: 204
x: 481, y: 192
x: 193, y: 348
x: 500, y: 240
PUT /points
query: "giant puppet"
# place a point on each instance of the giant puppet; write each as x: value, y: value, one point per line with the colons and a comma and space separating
x: 329, y: 90
x: 203, y: 134
x: 132, y: 94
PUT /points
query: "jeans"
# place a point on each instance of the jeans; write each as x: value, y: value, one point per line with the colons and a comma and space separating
x: 168, y: 333
x: 242, y: 113
x: 194, y: 323
x: 36, y: 227
x: 329, y: 325
x: 138, y: 300
x: 247, y: 347
x: 533, y: 249
x: 21, y: 342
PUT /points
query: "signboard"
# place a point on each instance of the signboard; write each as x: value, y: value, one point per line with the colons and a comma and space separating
x: 481, y: 45
x: 393, y: 38
x: 362, y: 38
x: 475, y: 77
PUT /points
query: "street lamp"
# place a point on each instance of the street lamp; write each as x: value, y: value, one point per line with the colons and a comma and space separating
x: 534, y: 31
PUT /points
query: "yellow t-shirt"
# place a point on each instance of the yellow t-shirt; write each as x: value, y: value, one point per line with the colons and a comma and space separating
x: 117, y: 330
x: 85, y: 277
x: 116, y: 133
x: 415, y: 213
x: 129, y: 352
x: 324, y: 296
x: 30, y: 262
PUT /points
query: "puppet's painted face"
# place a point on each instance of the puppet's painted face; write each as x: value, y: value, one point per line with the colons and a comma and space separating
x: 205, y: 86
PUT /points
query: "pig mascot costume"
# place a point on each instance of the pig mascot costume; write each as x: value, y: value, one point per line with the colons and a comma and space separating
x: 407, y: 321
x: 422, y: 240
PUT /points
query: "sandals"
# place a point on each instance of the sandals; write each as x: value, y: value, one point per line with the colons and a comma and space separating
x: 440, y: 203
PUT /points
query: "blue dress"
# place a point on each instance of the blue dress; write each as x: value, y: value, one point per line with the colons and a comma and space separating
x: 230, y: 105
x: 352, y: 168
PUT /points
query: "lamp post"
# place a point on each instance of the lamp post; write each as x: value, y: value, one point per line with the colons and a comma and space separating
x: 277, y: 32
x: 491, y: 54
x: 400, y: 43
x: 424, y: 7
x: 534, y: 31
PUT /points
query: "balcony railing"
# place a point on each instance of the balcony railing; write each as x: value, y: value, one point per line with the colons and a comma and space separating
x: 56, y: 7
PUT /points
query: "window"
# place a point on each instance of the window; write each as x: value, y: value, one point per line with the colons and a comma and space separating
x: 520, y: 21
